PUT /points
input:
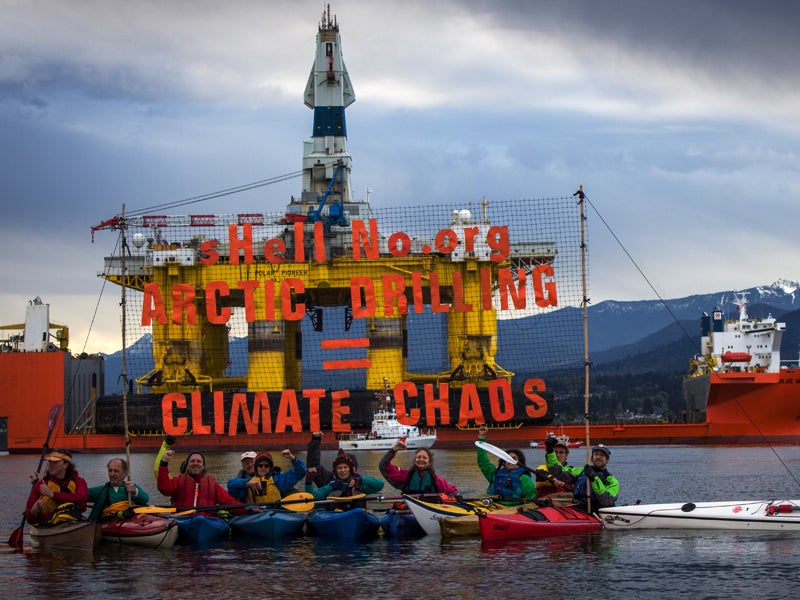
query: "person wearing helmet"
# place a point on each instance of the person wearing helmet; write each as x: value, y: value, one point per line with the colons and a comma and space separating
x: 556, y: 453
x: 345, y: 480
x: 512, y: 482
x: 595, y: 487
x: 318, y: 474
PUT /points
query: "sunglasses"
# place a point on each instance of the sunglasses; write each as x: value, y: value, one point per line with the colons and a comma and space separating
x: 265, y: 465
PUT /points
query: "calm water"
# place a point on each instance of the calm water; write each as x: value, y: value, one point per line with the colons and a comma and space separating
x: 655, y: 564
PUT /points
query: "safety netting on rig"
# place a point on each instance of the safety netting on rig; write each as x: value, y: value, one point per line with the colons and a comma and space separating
x: 384, y: 295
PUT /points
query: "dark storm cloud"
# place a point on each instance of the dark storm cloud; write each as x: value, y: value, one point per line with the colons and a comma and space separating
x: 679, y: 117
x: 719, y: 33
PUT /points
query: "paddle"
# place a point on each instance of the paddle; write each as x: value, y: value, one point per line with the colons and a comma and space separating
x: 500, y: 453
x: 168, y: 442
x: 15, y: 539
x: 358, y: 496
x: 299, y: 502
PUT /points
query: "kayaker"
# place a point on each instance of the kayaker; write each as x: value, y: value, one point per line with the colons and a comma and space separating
x: 316, y: 473
x: 509, y: 481
x: 112, y: 496
x: 595, y: 477
x: 62, y: 494
x: 236, y: 485
x: 556, y: 453
x: 420, y: 478
x: 193, y: 487
x: 345, y: 480
x: 269, y: 484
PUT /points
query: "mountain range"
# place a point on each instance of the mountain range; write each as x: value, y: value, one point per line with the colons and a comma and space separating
x: 625, y: 337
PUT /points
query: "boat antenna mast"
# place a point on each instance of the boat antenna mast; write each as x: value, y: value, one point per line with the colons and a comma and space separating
x: 124, y: 368
x: 585, y: 304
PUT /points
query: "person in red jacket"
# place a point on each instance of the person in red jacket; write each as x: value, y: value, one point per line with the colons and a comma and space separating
x: 193, y: 487
x: 61, y: 489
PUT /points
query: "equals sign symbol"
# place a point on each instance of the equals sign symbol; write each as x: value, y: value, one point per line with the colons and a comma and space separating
x: 355, y: 363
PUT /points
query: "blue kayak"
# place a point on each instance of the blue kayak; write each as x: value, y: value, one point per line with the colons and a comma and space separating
x: 268, y: 525
x: 201, y: 530
x: 401, y: 524
x: 356, y: 523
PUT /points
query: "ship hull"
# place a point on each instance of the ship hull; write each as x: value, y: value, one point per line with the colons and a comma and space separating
x: 740, y: 408
x: 412, y: 443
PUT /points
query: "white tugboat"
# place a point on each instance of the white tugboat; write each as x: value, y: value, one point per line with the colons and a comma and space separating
x: 386, y: 430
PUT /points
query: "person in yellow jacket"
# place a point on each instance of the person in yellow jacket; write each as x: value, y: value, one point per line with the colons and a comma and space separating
x: 270, y: 484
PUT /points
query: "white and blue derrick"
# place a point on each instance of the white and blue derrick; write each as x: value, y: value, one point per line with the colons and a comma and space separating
x: 329, y: 120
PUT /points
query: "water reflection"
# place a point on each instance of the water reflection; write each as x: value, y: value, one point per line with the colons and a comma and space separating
x: 556, y: 550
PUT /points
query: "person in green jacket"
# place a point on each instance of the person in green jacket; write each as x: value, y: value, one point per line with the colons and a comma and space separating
x: 556, y: 455
x: 593, y: 486
x: 112, y: 496
x: 509, y: 481
x: 345, y: 480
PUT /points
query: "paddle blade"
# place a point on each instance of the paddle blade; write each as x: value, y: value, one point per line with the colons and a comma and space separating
x: 347, y: 498
x: 299, y: 502
x: 153, y: 510
x: 52, y: 416
x: 15, y: 539
x: 498, y: 452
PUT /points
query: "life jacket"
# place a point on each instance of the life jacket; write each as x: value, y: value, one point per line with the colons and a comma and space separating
x: 420, y: 483
x: 68, y: 512
x: 507, y: 483
x: 269, y: 493
x: 192, y: 493
x: 66, y: 485
x: 343, y: 485
x: 579, y: 491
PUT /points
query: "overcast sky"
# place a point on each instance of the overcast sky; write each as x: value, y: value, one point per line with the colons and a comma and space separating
x: 681, y: 119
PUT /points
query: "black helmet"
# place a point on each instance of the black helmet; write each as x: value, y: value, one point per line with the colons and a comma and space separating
x: 602, y: 448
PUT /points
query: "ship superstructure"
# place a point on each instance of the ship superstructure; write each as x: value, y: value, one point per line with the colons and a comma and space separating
x: 737, y: 345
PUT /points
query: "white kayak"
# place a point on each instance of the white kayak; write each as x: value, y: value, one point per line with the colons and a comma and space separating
x: 755, y: 515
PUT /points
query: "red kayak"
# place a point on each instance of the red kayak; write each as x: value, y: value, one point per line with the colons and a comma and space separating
x: 537, y: 522
x: 141, y: 530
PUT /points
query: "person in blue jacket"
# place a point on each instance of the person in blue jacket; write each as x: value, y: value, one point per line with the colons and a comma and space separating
x: 268, y: 483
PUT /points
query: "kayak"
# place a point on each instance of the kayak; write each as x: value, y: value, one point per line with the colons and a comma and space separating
x: 269, y: 524
x: 356, y: 523
x: 401, y: 523
x: 77, y: 535
x: 201, y: 529
x: 431, y: 516
x: 428, y: 514
x: 141, y: 530
x: 469, y: 525
x: 536, y: 522
x: 753, y: 515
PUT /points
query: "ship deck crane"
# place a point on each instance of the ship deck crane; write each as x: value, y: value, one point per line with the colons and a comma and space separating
x: 335, y: 214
